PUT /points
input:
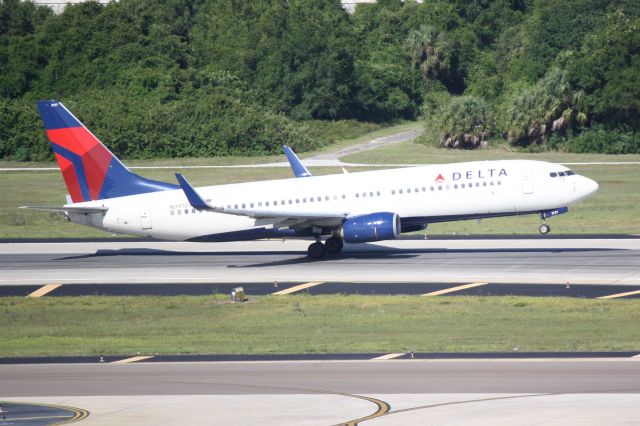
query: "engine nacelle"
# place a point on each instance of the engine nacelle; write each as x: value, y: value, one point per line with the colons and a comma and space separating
x: 371, y: 227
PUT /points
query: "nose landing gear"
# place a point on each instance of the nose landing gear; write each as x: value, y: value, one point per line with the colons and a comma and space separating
x: 544, y: 228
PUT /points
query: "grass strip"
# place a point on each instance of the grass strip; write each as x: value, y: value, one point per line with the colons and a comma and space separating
x: 95, y: 325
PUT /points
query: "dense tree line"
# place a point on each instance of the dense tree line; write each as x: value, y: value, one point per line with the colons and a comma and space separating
x: 223, y: 77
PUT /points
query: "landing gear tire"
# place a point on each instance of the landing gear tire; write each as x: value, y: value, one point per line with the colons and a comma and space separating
x: 544, y: 229
x: 316, y: 250
x: 334, y: 245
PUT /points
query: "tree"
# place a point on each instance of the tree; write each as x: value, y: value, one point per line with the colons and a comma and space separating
x: 550, y: 106
x: 429, y: 51
x: 465, y: 122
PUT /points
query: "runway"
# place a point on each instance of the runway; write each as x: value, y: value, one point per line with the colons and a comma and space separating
x: 398, y: 391
x: 570, y: 391
x: 542, y: 261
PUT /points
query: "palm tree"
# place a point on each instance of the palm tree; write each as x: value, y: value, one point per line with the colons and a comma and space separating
x: 429, y: 51
x: 465, y: 123
x: 550, y: 106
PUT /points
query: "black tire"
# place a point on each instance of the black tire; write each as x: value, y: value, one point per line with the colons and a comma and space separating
x: 316, y: 251
x: 544, y: 229
x: 334, y: 245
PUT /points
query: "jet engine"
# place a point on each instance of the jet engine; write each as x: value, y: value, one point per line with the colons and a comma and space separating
x: 371, y: 227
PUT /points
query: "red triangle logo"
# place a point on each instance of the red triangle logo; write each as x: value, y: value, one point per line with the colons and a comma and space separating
x: 440, y: 178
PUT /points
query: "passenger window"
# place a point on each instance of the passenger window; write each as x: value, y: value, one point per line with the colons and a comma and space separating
x: 244, y: 205
x: 266, y: 204
x: 455, y: 186
x: 462, y: 185
x: 304, y: 200
x: 393, y: 192
x: 357, y: 195
x: 408, y: 190
x: 378, y: 193
x: 171, y: 212
x: 400, y: 191
x: 484, y: 183
x: 179, y: 211
x: 260, y: 204
x: 186, y: 211
x: 251, y: 205
x: 236, y: 207
x: 371, y: 194
x: 439, y: 187
x: 432, y: 188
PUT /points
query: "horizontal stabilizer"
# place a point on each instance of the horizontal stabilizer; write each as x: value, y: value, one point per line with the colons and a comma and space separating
x: 72, y: 209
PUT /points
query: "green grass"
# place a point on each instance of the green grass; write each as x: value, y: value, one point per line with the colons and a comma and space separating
x: 614, y: 209
x: 417, y: 153
x: 313, y: 324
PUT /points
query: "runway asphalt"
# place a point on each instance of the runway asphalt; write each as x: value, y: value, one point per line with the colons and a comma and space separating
x: 536, y: 261
x: 569, y: 391
x: 370, y: 392
x: 331, y: 288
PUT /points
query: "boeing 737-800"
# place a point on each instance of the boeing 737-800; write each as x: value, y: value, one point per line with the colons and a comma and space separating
x: 347, y: 208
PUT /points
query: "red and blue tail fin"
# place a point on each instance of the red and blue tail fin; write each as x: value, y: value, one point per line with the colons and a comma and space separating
x: 90, y: 170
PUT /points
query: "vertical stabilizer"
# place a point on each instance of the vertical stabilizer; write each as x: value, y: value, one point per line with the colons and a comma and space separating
x: 89, y: 169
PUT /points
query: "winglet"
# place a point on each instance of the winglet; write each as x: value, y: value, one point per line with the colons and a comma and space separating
x: 194, y: 199
x: 299, y: 170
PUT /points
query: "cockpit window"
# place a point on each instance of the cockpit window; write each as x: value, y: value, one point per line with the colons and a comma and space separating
x: 553, y: 174
x: 570, y: 172
x: 560, y: 173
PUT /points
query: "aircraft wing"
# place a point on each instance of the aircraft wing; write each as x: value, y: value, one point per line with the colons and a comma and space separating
x: 73, y: 209
x: 299, y: 170
x: 283, y: 218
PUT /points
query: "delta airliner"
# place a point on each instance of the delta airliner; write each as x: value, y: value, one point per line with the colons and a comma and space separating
x: 347, y: 208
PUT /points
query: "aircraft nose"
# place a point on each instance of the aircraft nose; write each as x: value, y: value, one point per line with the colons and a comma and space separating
x: 589, y: 186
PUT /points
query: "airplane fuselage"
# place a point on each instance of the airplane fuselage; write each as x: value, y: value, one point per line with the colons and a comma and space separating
x: 418, y: 195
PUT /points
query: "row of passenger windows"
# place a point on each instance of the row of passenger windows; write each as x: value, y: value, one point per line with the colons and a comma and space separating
x: 369, y: 194
x: 564, y: 173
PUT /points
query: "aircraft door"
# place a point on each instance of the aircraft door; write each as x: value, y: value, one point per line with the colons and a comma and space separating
x: 145, y: 218
x: 527, y: 183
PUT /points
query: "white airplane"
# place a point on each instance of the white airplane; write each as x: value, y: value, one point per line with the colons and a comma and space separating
x: 348, y: 208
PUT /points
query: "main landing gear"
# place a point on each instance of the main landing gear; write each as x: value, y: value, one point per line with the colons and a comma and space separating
x: 317, y: 250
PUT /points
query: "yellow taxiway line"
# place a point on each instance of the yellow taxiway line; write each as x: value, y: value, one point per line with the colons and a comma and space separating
x: 44, y: 290
x: 132, y: 359
x: 453, y: 289
x: 297, y: 288
x: 615, y: 296
x: 388, y: 356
